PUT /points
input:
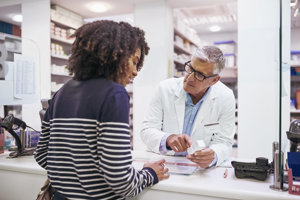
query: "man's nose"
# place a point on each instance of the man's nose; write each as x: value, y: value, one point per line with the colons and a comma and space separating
x: 191, y: 76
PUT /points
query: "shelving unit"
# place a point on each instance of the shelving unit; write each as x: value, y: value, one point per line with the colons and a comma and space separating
x: 60, y: 51
x: 12, y: 44
x: 63, y: 25
x: 229, y: 48
x: 295, y: 84
x: 185, y: 43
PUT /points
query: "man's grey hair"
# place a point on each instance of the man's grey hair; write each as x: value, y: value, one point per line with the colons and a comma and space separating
x: 211, y: 54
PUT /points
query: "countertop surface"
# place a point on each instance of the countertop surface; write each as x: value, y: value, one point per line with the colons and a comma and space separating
x: 208, y: 182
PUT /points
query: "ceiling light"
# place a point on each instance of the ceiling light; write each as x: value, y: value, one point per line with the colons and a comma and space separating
x: 97, y: 7
x: 17, y: 18
x: 215, y: 28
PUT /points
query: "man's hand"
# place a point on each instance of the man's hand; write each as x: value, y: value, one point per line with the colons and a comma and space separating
x: 179, y: 143
x: 203, y: 158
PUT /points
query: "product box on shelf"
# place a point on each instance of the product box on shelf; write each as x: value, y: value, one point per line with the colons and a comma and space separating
x: 31, y: 138
x: 295, y: 58
x: 66, y: 17
x: 298, y: 99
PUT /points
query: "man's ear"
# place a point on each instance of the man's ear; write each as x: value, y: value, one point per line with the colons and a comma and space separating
x: 215, y: 79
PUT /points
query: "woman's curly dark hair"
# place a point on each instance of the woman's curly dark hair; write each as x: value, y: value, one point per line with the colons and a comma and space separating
x: 102, y: 49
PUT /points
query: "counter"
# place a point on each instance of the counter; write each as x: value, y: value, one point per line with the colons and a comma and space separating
x: 22, y: 178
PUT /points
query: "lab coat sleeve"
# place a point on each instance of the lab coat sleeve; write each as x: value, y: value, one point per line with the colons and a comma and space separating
x: 151, y: 132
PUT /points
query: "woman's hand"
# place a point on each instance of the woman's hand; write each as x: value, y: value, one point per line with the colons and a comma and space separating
x: 159, y: 168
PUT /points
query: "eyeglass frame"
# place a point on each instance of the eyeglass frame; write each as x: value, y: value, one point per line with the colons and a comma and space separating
x: 194, y: 71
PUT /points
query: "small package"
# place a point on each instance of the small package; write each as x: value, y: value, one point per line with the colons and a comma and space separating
x: 197, y: 146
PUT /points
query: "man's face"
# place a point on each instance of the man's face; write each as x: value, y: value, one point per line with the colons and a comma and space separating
x: 195, y: 87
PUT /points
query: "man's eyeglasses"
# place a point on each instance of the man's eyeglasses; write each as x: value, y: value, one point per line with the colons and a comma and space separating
x: 198, y: 75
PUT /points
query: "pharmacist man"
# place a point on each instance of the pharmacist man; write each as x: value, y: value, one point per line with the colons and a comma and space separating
x: 194, y: 109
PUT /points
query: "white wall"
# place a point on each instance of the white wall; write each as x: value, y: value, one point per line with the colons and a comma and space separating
x: 37, y: 30
x: 35, y: 44
x: 155, y: 18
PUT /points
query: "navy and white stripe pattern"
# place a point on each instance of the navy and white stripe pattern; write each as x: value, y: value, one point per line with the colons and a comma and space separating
x: 90, y: 158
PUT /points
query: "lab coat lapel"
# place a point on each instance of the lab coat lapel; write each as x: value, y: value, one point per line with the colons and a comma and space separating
x: 180, y: 107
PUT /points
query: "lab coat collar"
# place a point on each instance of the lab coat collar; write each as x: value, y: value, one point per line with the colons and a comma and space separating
x: 205, y: 109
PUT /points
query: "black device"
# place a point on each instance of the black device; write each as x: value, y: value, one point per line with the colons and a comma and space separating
x: 294, y: 135
x: 258, y: 170
x: 10, y: 123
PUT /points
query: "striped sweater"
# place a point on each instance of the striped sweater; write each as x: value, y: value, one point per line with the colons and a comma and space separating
x: 85, y: 143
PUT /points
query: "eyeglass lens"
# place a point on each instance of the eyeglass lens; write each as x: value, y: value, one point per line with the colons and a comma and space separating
x: 190, y: 70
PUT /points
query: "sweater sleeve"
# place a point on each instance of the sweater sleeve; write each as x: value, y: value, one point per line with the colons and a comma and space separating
x: 41, y: 152
x: 114, y: 149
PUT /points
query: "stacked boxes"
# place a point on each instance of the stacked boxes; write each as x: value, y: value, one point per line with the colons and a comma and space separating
x: 31, y: 138
x: 229, y: 50
x: 60, y: 33
x: 64, y: 16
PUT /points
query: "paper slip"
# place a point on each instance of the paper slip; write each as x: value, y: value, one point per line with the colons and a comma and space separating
x: 176, y: 165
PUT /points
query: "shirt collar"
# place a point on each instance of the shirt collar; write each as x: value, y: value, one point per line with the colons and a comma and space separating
x: 188, y: 99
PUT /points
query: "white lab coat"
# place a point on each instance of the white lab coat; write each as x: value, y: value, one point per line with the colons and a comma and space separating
x: 166, y: 115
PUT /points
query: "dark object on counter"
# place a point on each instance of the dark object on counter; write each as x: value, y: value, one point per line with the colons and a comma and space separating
x: 294, y: 164
x: 258, y: 170
x: 294, y: 135
x: 10, y: 123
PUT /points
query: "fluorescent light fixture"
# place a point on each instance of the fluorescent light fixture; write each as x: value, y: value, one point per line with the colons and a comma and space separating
x: 17, y: 18
x: 215, y: 28
x: 97, y: 7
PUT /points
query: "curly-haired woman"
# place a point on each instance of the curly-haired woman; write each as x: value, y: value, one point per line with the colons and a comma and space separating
x: 85, y: 140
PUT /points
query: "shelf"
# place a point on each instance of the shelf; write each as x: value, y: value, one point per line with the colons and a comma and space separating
x: 65, y: 25
x: 13, y: 37
x: 182, y: 35
x: 60, y: 57
x: 295, y: 78
x: 14, y: 51
x: 179, y: 65
x: 228, y: 79
x: 179, y: 62
x: 295, y: 112
x: 63, y: 75
x: 181, y: 49
x: 62, y: 40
